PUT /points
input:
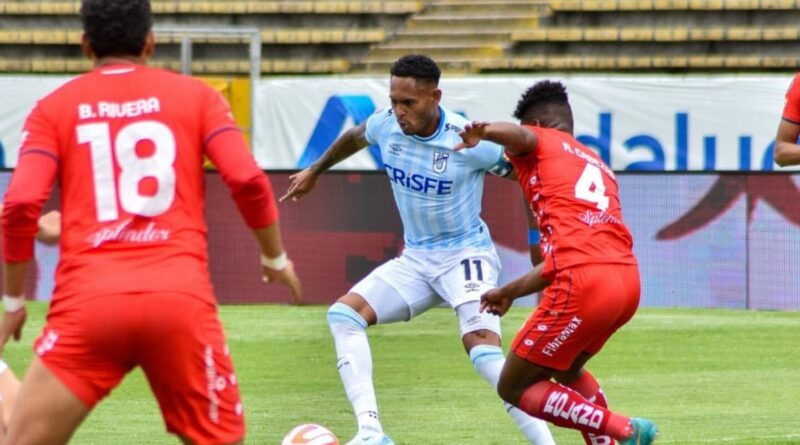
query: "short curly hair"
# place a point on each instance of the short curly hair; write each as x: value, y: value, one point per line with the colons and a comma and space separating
x: 116, y: 27
x: 417, y: 66
x: 545, y: 92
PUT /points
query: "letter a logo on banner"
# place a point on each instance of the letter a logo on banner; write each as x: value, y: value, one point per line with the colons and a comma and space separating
x: 333, y: 117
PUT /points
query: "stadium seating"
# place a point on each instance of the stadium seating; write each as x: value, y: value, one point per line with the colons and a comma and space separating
x: 671, y: 5
x: 320, y: 36
x: 658, y: 35
x: 458, y: 34
x: 287, y: 36
x: 641, y: 63
x: 230, y: 7
x: 468, y: 36
x: 665, y: 34
x: 59, y: 66
x: 598, y: 35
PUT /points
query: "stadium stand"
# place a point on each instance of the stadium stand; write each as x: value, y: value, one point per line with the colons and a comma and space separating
x: 672, y: 5
x: 320, y: 36
x: 458, y: 34
x: 467, y: 36
x: 598, y: 35
x: 658, y: 35
x: 665, y: 34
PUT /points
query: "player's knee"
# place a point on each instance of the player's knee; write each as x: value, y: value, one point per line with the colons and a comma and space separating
x: 509, y: 391
x: 567, y: 377
x: 480, y: 337
x: 340, y: 314
x: 477, y: 328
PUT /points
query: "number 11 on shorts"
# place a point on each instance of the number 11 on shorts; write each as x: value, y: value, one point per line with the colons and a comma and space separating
x: 468, y: 269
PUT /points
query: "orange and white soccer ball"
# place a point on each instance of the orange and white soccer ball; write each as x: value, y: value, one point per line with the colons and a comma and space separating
x: 310, y: 434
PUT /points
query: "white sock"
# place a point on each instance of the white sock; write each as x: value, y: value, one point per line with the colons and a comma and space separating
x: 488, y: 361
x: 355, y: 364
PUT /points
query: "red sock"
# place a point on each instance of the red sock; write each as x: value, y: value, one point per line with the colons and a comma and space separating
x: 564, y: 407
x: 588, y: 387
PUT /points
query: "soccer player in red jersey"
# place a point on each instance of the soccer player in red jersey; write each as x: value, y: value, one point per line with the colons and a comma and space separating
x: 127, y: 144
x: 589, y: 269
x: 787, y: 150
x: 49, y: 230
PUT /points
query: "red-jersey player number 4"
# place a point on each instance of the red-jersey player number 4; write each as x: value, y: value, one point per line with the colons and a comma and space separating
x: 590, y: 187
x: 133, y: 167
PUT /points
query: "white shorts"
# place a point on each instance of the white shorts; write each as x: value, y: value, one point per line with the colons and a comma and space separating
x: 418, y: 280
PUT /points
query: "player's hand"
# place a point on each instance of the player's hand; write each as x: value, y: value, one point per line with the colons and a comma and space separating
x: 303, y: 182
x: 286, y: 277
x: 49, y: 228
x: 472, y: 133
x: 496, y: 302
x: 11, y: 326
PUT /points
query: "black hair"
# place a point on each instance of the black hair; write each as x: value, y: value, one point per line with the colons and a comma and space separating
x: 116, y: 27
x: 417, y: 66
x: 543, y: 93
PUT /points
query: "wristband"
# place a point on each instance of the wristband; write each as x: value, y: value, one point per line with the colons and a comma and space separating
x: 534, y: 236
x: 277, y: 263
x: 13, y: 304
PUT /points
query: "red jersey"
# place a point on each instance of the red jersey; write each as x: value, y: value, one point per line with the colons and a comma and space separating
x: 575, y: 198
x: 791, y: 110
x: 127, y: 144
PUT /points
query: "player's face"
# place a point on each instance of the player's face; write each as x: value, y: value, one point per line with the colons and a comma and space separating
x: 415, y: 105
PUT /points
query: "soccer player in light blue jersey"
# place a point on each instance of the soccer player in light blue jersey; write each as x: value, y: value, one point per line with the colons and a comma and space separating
x: 449, y: 255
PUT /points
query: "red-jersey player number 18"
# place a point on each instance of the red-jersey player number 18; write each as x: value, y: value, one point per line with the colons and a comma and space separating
x: 133, y: 168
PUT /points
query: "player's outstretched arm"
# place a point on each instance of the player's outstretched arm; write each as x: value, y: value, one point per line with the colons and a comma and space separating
x: 516, y: 139
x: 349, y: 143
x: 252, y: 192
x: 787, y: 151
x: 498, y: 301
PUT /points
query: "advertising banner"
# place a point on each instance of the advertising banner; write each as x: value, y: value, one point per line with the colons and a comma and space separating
x: 702, y: 240
x: 635, y: 123
x: 641, y: 123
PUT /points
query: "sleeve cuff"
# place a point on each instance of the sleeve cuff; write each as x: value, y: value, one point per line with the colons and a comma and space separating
x: 792, y: 120
x: 17, y: 249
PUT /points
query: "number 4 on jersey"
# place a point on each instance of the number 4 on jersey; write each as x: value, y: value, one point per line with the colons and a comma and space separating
x: 590, y: 187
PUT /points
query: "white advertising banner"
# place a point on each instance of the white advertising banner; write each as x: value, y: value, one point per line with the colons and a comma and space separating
x: 18, y: 95
x: 668, y: 123
x: 635, y: 123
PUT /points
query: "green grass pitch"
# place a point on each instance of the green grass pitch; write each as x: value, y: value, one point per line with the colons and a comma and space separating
x: 705, y: 376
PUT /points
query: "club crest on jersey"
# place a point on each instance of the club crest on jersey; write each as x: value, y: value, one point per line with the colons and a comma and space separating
x: 440, y: 161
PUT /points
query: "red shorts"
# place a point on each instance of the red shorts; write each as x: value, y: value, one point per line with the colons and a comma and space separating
x: 579, y: 311
x: 178, y: 341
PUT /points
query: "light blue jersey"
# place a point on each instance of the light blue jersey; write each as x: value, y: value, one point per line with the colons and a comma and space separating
x: 437, y: 190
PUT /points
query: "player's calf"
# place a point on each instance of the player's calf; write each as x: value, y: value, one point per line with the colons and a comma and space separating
x: 488, y: 361
x: 354, y: 362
